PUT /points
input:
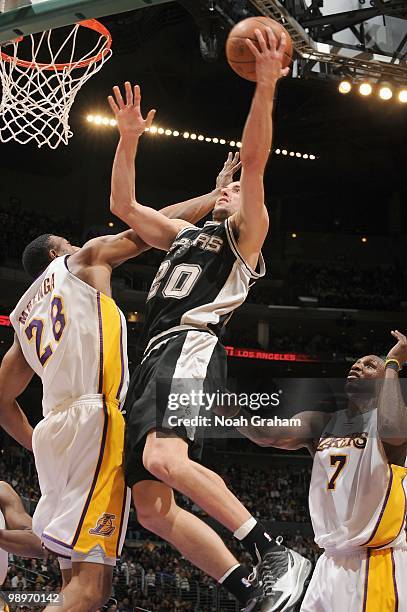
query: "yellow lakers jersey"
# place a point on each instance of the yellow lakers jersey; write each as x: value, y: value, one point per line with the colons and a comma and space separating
x: 73, y: 336
x: 357, y: 499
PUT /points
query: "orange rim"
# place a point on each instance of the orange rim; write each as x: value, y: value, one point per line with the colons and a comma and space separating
x: 91, y: 24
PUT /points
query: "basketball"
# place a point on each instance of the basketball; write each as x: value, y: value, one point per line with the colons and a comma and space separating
x: 238, y: 54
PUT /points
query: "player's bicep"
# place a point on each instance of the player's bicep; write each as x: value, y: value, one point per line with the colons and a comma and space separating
x: 112, y: 250
x: 15, y: 373
x: 152, y: 226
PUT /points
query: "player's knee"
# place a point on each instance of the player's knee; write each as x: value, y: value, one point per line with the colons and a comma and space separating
x: 163, y: 466
x: 155, y: 505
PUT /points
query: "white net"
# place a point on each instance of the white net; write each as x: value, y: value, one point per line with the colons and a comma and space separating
x: 37, y: 96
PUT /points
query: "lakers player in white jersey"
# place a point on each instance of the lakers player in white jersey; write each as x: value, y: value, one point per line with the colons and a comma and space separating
x: 70, y: 332
x: 358, y: 489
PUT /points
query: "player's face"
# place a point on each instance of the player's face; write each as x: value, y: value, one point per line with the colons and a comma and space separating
x: 62, y: 246
x: 369, y: 366
x: 228, y: 202
x: 363, y: 374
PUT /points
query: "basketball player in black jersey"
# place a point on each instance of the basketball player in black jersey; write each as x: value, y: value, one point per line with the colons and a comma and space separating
x: 203, y: 278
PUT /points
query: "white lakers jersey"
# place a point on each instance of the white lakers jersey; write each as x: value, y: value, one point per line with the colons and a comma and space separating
x: 357, y: 499
x: 73, y: 337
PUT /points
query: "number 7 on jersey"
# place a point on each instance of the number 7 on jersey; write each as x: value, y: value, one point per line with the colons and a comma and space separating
x: 339, y: 461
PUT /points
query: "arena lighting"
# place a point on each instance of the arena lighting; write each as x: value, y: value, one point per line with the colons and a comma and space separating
x: 365, y: 89
x: 110, y: 224
x: 344, y: 87
x: 101, y: 121
x: 402, y: 96
x: 364, y: 239
x: 385, y: 91
x: 293, y: 235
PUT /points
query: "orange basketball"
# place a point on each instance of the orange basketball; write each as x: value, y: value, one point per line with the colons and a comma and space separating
x: 240, y: 57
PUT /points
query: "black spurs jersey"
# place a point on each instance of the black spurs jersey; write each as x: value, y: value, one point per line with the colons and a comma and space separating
x: 201, y: 281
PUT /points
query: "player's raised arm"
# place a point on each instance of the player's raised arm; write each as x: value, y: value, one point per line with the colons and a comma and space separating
x: 15, y: 374
x: 391, y: 408
x: 251, y: 221
x: 132, y: 125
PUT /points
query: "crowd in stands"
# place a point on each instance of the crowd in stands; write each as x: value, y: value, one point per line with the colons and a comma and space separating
x: 345, y: 285
x: 19, y: 227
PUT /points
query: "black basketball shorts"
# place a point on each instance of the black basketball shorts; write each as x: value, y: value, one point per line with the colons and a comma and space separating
x: 165, y: 391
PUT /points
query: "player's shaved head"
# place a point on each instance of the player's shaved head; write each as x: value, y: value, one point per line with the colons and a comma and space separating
x: 42, y: 250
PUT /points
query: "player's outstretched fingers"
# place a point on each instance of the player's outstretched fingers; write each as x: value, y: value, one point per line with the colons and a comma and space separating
x: 271, y: 39
x: 261, y: 40
x: 283, y: 43
x: 253, y: 48
x: 113, y: 105
x: 137, y: 96
x: 118, y: 96
x: 129, y: 94
x: 150, y: 118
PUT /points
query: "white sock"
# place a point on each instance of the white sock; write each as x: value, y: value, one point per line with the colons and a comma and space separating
x: 245, y: 529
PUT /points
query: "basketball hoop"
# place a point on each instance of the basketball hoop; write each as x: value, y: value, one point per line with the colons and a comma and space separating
x: 38, y: 95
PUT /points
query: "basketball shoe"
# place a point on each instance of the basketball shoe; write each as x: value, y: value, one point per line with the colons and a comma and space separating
x: 282, y: 574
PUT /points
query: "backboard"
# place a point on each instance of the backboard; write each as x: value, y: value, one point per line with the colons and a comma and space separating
x: 22, y: 17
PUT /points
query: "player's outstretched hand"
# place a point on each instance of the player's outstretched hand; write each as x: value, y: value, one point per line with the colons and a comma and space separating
x: 130, y: 121
x: 269, y: 57
x: 230, y: 167
x: 399, y: 350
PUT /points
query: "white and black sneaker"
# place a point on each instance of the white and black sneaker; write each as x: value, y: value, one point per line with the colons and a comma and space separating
x: 255, y: 603
x: 283, y: 574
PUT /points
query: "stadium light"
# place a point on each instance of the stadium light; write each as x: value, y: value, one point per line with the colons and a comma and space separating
x: 402, y: 96
x: 385, y: 91
x: 102, y: 121
x: 345, y: 87
x: 365, y: 89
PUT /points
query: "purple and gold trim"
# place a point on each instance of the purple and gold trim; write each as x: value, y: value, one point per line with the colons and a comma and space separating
x: 369, y: 552
x: 385, y: 502
x: 119, y: 390
x: 121, y: 520
x: 95, y: 477
x: 396, y: 593
x: 100, y: 387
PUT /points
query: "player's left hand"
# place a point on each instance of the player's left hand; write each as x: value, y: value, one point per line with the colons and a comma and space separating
x: 399, y: 350
x: 130, y: 121
x: 230, y: 167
